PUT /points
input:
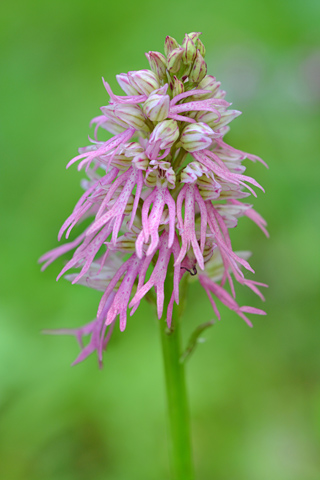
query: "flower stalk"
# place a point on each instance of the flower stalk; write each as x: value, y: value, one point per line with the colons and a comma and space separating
x: 177, y: 402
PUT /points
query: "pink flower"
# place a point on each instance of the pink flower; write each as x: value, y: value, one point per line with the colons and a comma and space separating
x: 158, y: 276
x: 165, y: 187
x: 98, y: 331
x: 159, y: 197
x: 190, y: 195
x: 211, y: 287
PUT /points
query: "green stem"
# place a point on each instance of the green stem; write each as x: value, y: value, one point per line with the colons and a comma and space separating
x: 179, y: 426
x: 180, y: 158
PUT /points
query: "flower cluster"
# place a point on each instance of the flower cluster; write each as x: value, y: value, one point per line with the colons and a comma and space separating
x: 165, y: 185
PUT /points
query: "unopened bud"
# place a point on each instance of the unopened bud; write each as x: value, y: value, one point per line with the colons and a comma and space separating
x: 184, y: 72
x: 112, y: 121
x: 227, y: 117
x: 194, y: 36
x: 123, y: 80
x: 201, y: 47
x: 114, y: 126
x: 220, y: 94
x: 156, y: 107
x: 210, y: 118
x: 174, y: 60
x: 145, y: 81
x: 178, y: 86
x: 158, y: 64
x: 169, y: 79
x: 163, y: 136
x: 199, y: 69
x: 196, y: 136
x: 166, y: 131
x: 207, y: 83
x: 190, y: 50
x: 196, y: 40
x: 170, y: 44
x: 129, y: 114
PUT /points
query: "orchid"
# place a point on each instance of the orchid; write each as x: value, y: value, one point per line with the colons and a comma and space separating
x: 143, y: 183
x: 162, y: 195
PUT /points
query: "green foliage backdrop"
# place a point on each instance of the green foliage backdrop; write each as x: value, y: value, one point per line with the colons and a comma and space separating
x: 254, y: 393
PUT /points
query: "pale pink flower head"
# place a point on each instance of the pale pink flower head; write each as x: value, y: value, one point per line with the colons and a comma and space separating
x: 160, y: 197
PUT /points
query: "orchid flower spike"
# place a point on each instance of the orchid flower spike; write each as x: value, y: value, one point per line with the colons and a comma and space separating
x: 160, y: 196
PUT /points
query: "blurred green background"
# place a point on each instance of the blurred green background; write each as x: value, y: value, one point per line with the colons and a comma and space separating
x: 254, y: 393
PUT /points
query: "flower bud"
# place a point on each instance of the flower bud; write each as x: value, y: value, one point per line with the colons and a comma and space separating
x: 185, y: 71
x: 169, y: 79
x: 194, y: 36
x: 220, y: 94
x: 178, y: 86
x: 196, y: 136
x: 123, y: 80
x: 199, y: 69
x: 112, y: 123
x: 210, y: 118
x: 144, y: 81
x: 227, y: 117
x: 156, y: 107
x: 201, y: 47
x: 170, y: 44
x: 129, y: 114
x: 174, y: 60
x: 158, y: 64
x: 163, y: 136
x: 114, y: 126
x: 190, y: 50
x: 166, y: 131
x: 209, y: 83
